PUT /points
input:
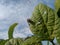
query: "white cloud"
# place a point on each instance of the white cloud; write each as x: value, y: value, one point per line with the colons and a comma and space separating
x: 22, y: 32
x: 3, y: 12
x: 15, y: 13
x: 17, y: 35
x: 3, y: 35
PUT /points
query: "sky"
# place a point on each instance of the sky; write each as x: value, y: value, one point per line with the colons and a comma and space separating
x: 19, y: 11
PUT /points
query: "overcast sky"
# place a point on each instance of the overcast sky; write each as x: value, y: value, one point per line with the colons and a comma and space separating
x: 12, y: 11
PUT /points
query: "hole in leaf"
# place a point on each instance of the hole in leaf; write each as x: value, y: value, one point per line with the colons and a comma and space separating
x: 58, y: 13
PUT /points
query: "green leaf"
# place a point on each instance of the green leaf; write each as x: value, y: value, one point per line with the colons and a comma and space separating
x: 44, y: 19
x: 14, y: 41
x: 2, y: 42
x: 57, y: 4
x: 11, y: 30
x: 57, y: 20
x: 33, y: 40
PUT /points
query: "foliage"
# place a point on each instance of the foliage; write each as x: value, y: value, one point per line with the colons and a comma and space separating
x: 57, y: 8
x: 11, y: 30
x: 44, y: 24
x: 57, y: 4
x: 33, y: 40
x: 10, y: 34
x: 14, y: 41
x: 27, y: 41
x: 2, y: 42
